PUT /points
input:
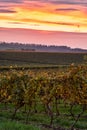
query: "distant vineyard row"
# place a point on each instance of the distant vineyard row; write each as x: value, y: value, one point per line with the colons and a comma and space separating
x: 40, y: 58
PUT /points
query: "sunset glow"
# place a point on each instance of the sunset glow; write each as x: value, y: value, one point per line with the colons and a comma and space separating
x: 45, y: 15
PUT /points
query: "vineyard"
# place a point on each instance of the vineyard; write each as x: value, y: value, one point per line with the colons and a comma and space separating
x: 53, y: 99
x: 8, y: 58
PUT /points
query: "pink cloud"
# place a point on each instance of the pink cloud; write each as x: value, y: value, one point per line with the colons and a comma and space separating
x: 75, y: 40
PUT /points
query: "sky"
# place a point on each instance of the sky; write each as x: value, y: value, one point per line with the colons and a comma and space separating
x: 49, y: 22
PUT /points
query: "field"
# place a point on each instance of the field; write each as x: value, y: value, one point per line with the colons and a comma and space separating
x: 39, y: 58
x: 38, y: 91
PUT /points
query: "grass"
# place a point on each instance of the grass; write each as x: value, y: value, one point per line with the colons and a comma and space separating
x: 66, y: 122
x: 14, y: 125
x: 37, y: 119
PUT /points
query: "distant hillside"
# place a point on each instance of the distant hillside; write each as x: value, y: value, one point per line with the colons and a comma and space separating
x: 38, y: 48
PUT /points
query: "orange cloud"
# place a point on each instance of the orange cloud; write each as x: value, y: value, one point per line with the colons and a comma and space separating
x: 46, y: 16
